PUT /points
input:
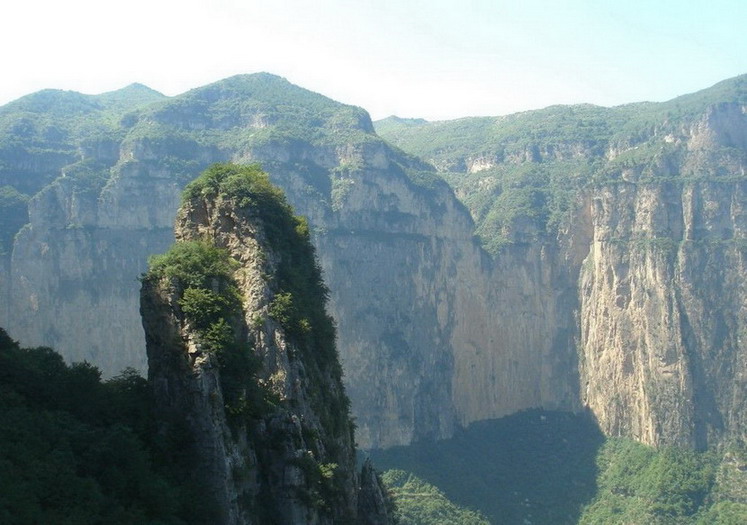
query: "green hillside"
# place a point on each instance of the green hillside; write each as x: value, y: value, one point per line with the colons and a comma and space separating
x: 520, y: 175
x: 77, y: 450
x: 420, y: 503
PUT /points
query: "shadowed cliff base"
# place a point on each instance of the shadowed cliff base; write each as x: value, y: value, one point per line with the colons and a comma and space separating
x: 550, y: 468
x: 536, y: 465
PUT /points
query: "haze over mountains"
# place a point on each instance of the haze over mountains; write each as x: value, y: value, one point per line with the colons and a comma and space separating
x: 608, y: 272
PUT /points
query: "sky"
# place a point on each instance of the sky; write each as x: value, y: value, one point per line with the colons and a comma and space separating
x: 434, y: 59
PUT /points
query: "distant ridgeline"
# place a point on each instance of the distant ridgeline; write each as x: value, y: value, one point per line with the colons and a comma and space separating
x: 572, y: 258
x: 521, y: 174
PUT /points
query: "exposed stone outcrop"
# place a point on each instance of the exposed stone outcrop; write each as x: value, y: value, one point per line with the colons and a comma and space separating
x: 662, y: 293
x: 291, y: 462
x: 374, y: 504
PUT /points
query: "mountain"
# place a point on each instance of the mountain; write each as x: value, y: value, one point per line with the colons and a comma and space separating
x: 378, y: 218
x: 526, y: 166
x: 242, y: 358
x: 642, y: 206
x: 595, y: 260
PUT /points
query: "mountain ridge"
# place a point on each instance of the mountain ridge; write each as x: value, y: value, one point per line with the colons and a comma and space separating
x: 578, y: 216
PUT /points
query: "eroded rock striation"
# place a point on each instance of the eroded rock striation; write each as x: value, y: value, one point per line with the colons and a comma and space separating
x: 242, y: 360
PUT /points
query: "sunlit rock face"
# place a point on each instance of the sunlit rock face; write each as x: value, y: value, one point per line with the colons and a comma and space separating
x: 662, y: 293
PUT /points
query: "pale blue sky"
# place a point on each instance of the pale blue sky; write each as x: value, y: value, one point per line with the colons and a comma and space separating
x: 435, y: 59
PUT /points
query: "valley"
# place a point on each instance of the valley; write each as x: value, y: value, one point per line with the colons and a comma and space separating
x: 583, y: 261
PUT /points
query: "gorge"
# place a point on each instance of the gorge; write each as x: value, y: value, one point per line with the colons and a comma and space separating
x: 573, y: 258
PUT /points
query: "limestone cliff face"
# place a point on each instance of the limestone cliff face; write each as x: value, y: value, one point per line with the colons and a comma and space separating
x: 74, y: 269
x: 291, y: 462
x: 662, y: 294
x: 396, y: 253
x: 513, y: 341
x: 633, y: 308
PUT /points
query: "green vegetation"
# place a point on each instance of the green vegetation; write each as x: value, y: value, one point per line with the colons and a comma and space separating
x: 76, y: 450
x: 638, y: 484
x: 211, y: 304
x: 300, y: 295
x: 556, y: 468
x: 535, y: 164
x: 253, y: 110
x: 447, y: 144
x: 520, y: 174
x: 195, y: 264
x: 536, y: 466
x: 420, y: 503
x: 520, y: 204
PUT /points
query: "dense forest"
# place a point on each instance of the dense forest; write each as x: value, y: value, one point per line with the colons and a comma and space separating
x: 78, y: 450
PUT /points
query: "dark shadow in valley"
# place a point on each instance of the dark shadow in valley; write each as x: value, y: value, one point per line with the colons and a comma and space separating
x: 532, y: 467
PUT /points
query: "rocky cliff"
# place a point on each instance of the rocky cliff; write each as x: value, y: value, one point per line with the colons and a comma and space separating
x: 606, y: 240
x: 408, y: 284
x: 241, y: 357
x: 634, y: 218
x: 662, y: 290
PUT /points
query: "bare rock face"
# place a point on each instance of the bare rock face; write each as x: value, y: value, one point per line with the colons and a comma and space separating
x: 513, y: 341
x: 289, y: 460
x: 633, y: 310
x: 662, y: 294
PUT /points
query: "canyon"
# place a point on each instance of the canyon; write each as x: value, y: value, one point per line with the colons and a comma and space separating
x: 575, y: 258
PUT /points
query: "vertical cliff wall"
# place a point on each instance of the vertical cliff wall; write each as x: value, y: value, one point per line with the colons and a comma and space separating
x: 257, y: 385
x: 662, y: 290
x: 618, y: 241
x: 397, y: 249
x: 613, y: 282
